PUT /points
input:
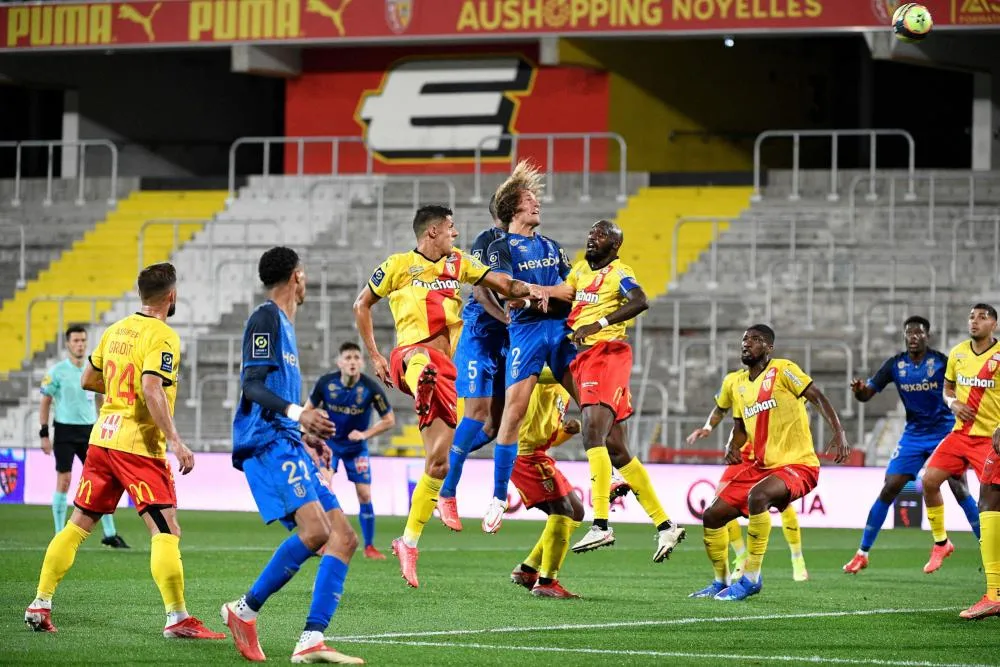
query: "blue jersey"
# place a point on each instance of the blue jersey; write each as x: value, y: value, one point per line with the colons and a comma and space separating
x: 349, y: 408
x: 268, y: 340
x: 473, y: 312
x: 532, y: 259
x: 920, y: 388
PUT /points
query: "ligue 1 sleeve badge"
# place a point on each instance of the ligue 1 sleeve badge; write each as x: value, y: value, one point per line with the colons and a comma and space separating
x: 398, y: 14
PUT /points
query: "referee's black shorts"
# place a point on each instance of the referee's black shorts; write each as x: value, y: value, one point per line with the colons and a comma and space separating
x: 69, y: 440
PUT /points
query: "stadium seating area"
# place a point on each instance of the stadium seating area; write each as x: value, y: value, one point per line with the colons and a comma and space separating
x: 834, y: 277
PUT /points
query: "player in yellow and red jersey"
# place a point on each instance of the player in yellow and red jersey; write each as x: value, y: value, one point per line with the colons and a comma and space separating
x: 542, y: 485
x: 606, y: 296
x: 423, y: 288
x: 971, y: 392
x: 789, y: 517
x: 135, y: 366
x: 782, y: 466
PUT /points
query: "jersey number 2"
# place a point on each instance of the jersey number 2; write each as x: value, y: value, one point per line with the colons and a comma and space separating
x: 289, y: 467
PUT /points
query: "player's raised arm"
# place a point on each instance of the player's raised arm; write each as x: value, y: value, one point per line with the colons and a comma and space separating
x: 366, y: 327
x: 487, y: 298
x: 714, y: 419
x: 864, y: 391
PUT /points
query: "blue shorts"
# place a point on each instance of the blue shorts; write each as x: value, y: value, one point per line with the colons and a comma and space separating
x: 912, y: 453
x: 535, y: 344
x: 479, y: 359
x: 282, y: 479
x: 355, y: 461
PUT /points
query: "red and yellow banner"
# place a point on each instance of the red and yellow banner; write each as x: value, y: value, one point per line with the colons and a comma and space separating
x: 144, y: 23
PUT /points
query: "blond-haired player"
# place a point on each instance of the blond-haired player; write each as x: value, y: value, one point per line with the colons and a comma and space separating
x: 423, y: 287
x: 135, y: 366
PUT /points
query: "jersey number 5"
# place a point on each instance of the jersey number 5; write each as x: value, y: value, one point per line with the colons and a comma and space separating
x: 125, y: 389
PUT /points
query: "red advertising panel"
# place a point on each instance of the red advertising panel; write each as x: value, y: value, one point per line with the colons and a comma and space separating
x: 143, y: 23
x: 431, y: 109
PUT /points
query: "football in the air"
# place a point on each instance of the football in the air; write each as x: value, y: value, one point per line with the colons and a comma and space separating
x: 911, y: 22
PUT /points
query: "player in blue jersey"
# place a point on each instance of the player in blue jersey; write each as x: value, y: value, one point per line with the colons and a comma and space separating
x: 918, y: 375
x: 348, y: 397
x: 479, y: 357
x: 539, y: 335
x: 270, y: 433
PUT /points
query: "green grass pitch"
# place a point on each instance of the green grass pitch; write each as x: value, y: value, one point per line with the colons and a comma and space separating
x: 633, y: 612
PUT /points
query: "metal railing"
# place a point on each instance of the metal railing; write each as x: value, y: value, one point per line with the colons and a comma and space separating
x: 231, y: 382
x: 834, y: 136
x: 50, y: 146
x: 379, y: 183
x: 22, y: 273
x: 550, y: 139
x: 233, y: 362
x: 995, y: 220
x: 94, y: 318
x: 713, y: 303
x: 300, y: 142
x: 810, y: 284
x: 866, y: 325
x: 209, y: 229
x: 751, y: 264
x: 932, y: 179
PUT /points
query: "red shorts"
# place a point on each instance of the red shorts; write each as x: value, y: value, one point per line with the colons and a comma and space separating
x: 538, y: 480
x: 444, y: 404
x: 991, y: 469
x: 108, y: 473
x: 958, y: 452
x: 602, y: 375
x: 734, y: 488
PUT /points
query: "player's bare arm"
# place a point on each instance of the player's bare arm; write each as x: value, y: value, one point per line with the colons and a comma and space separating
x: 839, y: 446
x: 957, y: 407
x: 490, y: 303
x: 363, y: 319
x: 515, y: 289
x: 43, y: 419
x: 159, y: 410
x: 737, y: 439
x: 714, y: 419
x: 862, y: 392
x: 92, y: 379
x: 636, y: 304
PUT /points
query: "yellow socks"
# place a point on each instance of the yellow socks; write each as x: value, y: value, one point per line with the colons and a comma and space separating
x: 413, y: 369
x: 736, y: 537
x: 600, y: 481
x: 716, y: 545
x: 935, y: 516
x: 556, y: 536
x: 758, y: 533
x: 637, y: 477
x: 59, y: 558
x: 790, y: 527
x: 422, y: 505
x: 989, y: 544
x: 168, y: 572
x: 534, y: 559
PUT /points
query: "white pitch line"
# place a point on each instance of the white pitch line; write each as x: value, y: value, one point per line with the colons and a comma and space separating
x: 798, y: 659
x: 633, y: 624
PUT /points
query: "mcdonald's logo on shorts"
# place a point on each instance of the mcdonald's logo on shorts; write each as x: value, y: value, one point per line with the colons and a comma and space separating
x: 141, y: 493
x: 86, y: 486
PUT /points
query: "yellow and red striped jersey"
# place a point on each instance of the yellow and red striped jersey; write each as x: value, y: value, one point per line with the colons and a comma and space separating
x: 775, y: 419
x: 975, y: 381
x: 542, y: 427
x: 425, y: 296
x: 598, y: 294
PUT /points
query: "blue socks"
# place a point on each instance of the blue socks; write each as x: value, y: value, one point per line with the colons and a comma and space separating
x: 503, y: 466
x: 326, y: 593
x: 876, y: 517
x: 279, y: 571
x: 971, y: 509
x: 108, y: 524
x: 480, y: 441
x: 465, y: 434
x: 59, y: 510
x: 366, y: 517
